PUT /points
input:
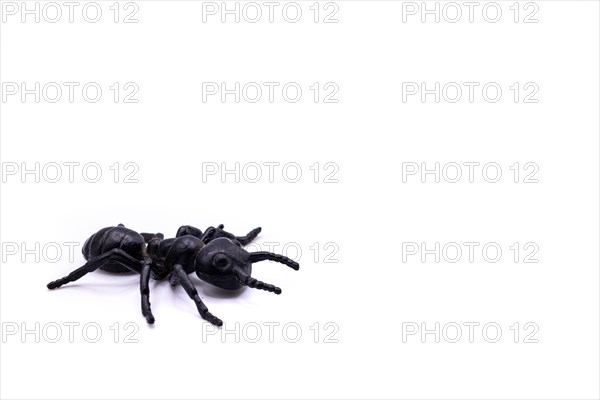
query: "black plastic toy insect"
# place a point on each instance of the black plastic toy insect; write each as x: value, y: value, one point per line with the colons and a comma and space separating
x: 216, y: 256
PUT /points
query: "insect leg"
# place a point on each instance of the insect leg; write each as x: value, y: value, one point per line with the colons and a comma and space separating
x: 193, y: 293
x: 94, y: 264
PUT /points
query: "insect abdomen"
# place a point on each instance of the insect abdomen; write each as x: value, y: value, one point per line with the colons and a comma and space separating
x: 110, y: 238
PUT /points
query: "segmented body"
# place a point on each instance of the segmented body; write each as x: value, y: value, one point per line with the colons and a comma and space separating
x: 169, y: 252
x: 114, y: 237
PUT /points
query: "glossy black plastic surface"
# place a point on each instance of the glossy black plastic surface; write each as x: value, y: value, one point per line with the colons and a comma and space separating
x: 215, y: 255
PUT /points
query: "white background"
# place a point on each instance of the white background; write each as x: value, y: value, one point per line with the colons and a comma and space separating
x: 371, y: 294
